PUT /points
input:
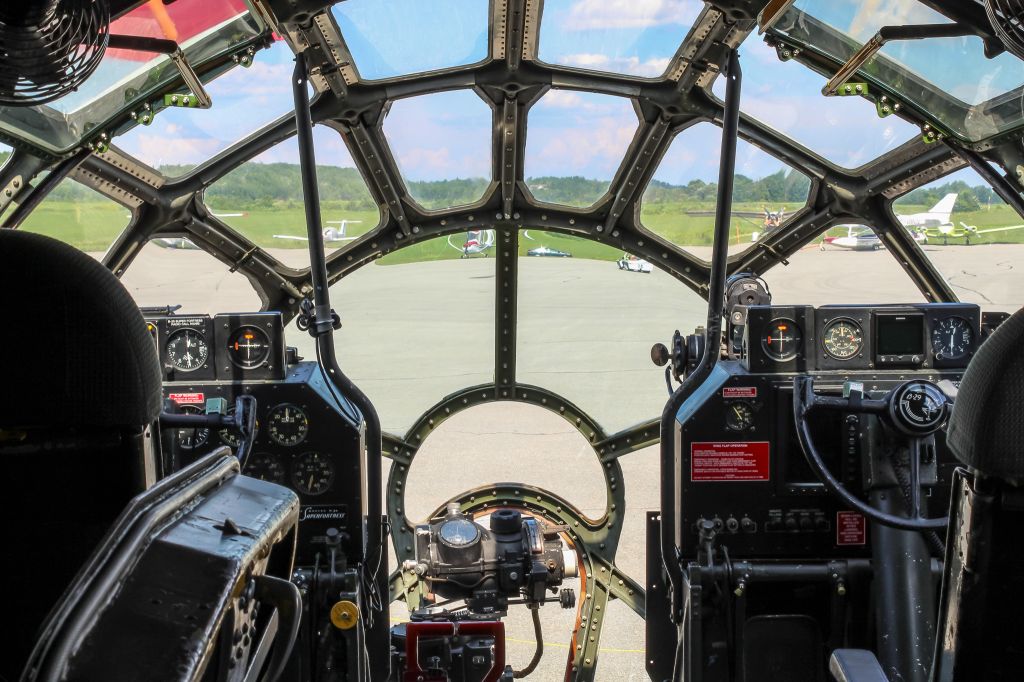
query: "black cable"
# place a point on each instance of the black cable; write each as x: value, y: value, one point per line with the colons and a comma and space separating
x: 539, y: 653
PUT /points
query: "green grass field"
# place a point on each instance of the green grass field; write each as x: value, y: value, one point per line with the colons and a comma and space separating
x: 93, y: 226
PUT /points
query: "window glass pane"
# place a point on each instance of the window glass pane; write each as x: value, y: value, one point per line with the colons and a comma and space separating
x: 576, y: 142
x: 442, y: 145
x: 402, y: 37
x: 244, y: 100
x: 170, y: 271
x: 262, y: 199
x: 787, y: 97
x: 617, y: 36
x: 847, y: 264
x: 80, y: 216
x: 417, y: 325
x: 679, y: 203
x: 978, y: 246
x: 587, y: 324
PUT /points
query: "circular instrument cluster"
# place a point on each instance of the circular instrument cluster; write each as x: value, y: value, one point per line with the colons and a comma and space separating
x: 843, y: 339
x: 248, y: 347
x: 310, y: 473
x: 287, y: 425
x: 782, y: 340
x: 189, y: 438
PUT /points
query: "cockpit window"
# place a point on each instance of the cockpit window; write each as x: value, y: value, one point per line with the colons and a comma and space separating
x: 974, y: 239
x: 787, y: 96
x: 417, y: 325
x: 619, y: 36
x: 591, y: 343
x: 441, y: 144
x: 127, y: 78
x: 847, y: 264
x: 262, y: 199
x: 173, y: 271
x: 403, y: 37
x: 80, y: 216
x: 575, y: 143
x: 679, y: 203
x: 244, y: 100
x: 950, y: 79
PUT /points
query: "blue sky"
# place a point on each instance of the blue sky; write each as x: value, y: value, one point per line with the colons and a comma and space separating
x: 447, y: 135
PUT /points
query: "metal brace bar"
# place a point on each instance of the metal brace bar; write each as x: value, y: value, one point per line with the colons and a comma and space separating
x: 638, y: 165
x: 382, y: 179
x: 509, y: 144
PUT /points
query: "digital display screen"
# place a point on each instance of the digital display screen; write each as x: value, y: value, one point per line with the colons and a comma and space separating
x: 899, y: 335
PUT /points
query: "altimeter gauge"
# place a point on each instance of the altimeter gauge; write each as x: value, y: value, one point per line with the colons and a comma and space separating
x: 952, y: 338
x: 843, y: 339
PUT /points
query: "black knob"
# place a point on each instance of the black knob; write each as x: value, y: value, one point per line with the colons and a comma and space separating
x: 506, y: 521
x: 748, y: 525
x: 790, y: 523
x: 732, y: 525
x: 805, y: 523
x: 659, y: 354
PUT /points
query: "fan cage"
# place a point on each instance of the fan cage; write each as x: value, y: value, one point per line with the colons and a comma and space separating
x: 1007, y: 18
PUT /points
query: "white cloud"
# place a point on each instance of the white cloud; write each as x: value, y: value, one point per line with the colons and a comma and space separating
x: 562, y: 99
x: 651, y: 68
x: 598, y: 14
x: 874, y: 14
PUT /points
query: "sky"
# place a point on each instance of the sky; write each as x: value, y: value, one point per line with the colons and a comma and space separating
x: 447, y: 135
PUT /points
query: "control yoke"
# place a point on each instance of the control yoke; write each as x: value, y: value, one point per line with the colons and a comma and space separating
x: 915, y: 409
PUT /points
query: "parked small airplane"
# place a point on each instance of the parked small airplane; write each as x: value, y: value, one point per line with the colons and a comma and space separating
x: 330, y: 234
x: 477, y: 241
x: 964, y: 231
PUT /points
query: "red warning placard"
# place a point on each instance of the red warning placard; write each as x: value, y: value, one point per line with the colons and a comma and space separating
x: 187, y: 398
x: 739, y: 392
x: 730, y: 461
x: 851, y: 528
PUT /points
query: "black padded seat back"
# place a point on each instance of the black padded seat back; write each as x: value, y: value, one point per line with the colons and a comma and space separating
x: 81, y: 388
x: 986, y: 431
x: 75, y: 347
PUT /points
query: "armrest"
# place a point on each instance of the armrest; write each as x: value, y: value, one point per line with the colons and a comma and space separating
x: 855, y: 665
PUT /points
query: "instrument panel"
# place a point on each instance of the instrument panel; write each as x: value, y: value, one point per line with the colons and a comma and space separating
x: 861, y: 338
x: 308, y: 438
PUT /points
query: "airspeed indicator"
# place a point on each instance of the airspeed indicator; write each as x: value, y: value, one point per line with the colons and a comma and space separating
x: 843, y: 339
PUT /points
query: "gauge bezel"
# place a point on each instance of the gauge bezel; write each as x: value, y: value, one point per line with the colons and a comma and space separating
x: 298, y: 483
x: 260, y: 456
x: 968, y: 349
x: 264, y: 337
x: 747, y: 408
x: 170, y: 356
x: 772, y: 354
x: 202, y: 432
x: 825, y: 335
x: 270, y: 425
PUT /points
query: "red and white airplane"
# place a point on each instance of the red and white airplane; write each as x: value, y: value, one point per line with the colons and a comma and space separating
x: 477, y: 241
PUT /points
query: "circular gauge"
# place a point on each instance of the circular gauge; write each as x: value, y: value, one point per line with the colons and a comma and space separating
x: 843, y: 339
x: 191, y: 438
x: 782, y: 339
x: 267, y: 467
x: 739, y: 416
x: 313, y: 473
x: 187, y: 350
x: 458, y: 532
x: 230, y: 436
x: 951, y: 338
x: 287, y: 425
x: 248, y: 347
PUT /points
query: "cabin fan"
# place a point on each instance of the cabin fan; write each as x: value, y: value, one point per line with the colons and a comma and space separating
x: 1007, y: 17
x: 49, y: 47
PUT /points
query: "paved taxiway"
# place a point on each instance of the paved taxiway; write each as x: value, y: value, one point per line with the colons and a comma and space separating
x: 414, y: 333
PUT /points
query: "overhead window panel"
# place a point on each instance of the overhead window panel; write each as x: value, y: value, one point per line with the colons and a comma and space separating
x: 787, y: 96
x: 244, y: 100
x: 402, y: 37
x: 442, y: 145
x: 680, y: 201
x: 628, y: 37
x: 575, y: 143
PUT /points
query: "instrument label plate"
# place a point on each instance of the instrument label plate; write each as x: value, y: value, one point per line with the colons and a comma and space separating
x: 724, y: 461
x: 851, y: 528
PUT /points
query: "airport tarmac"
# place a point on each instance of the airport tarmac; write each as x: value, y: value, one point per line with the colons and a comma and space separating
x: 414, y: 333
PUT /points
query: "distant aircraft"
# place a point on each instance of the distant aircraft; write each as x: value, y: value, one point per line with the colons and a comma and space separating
x: 477, y: 241
x: 858, y: 238
x: 545, y: 251
x: 965, y: 232
x: 330, y: 234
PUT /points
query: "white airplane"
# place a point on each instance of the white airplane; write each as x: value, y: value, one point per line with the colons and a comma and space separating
x: 477, y: 241
x: 330, y: 234
x: 921, y: 225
